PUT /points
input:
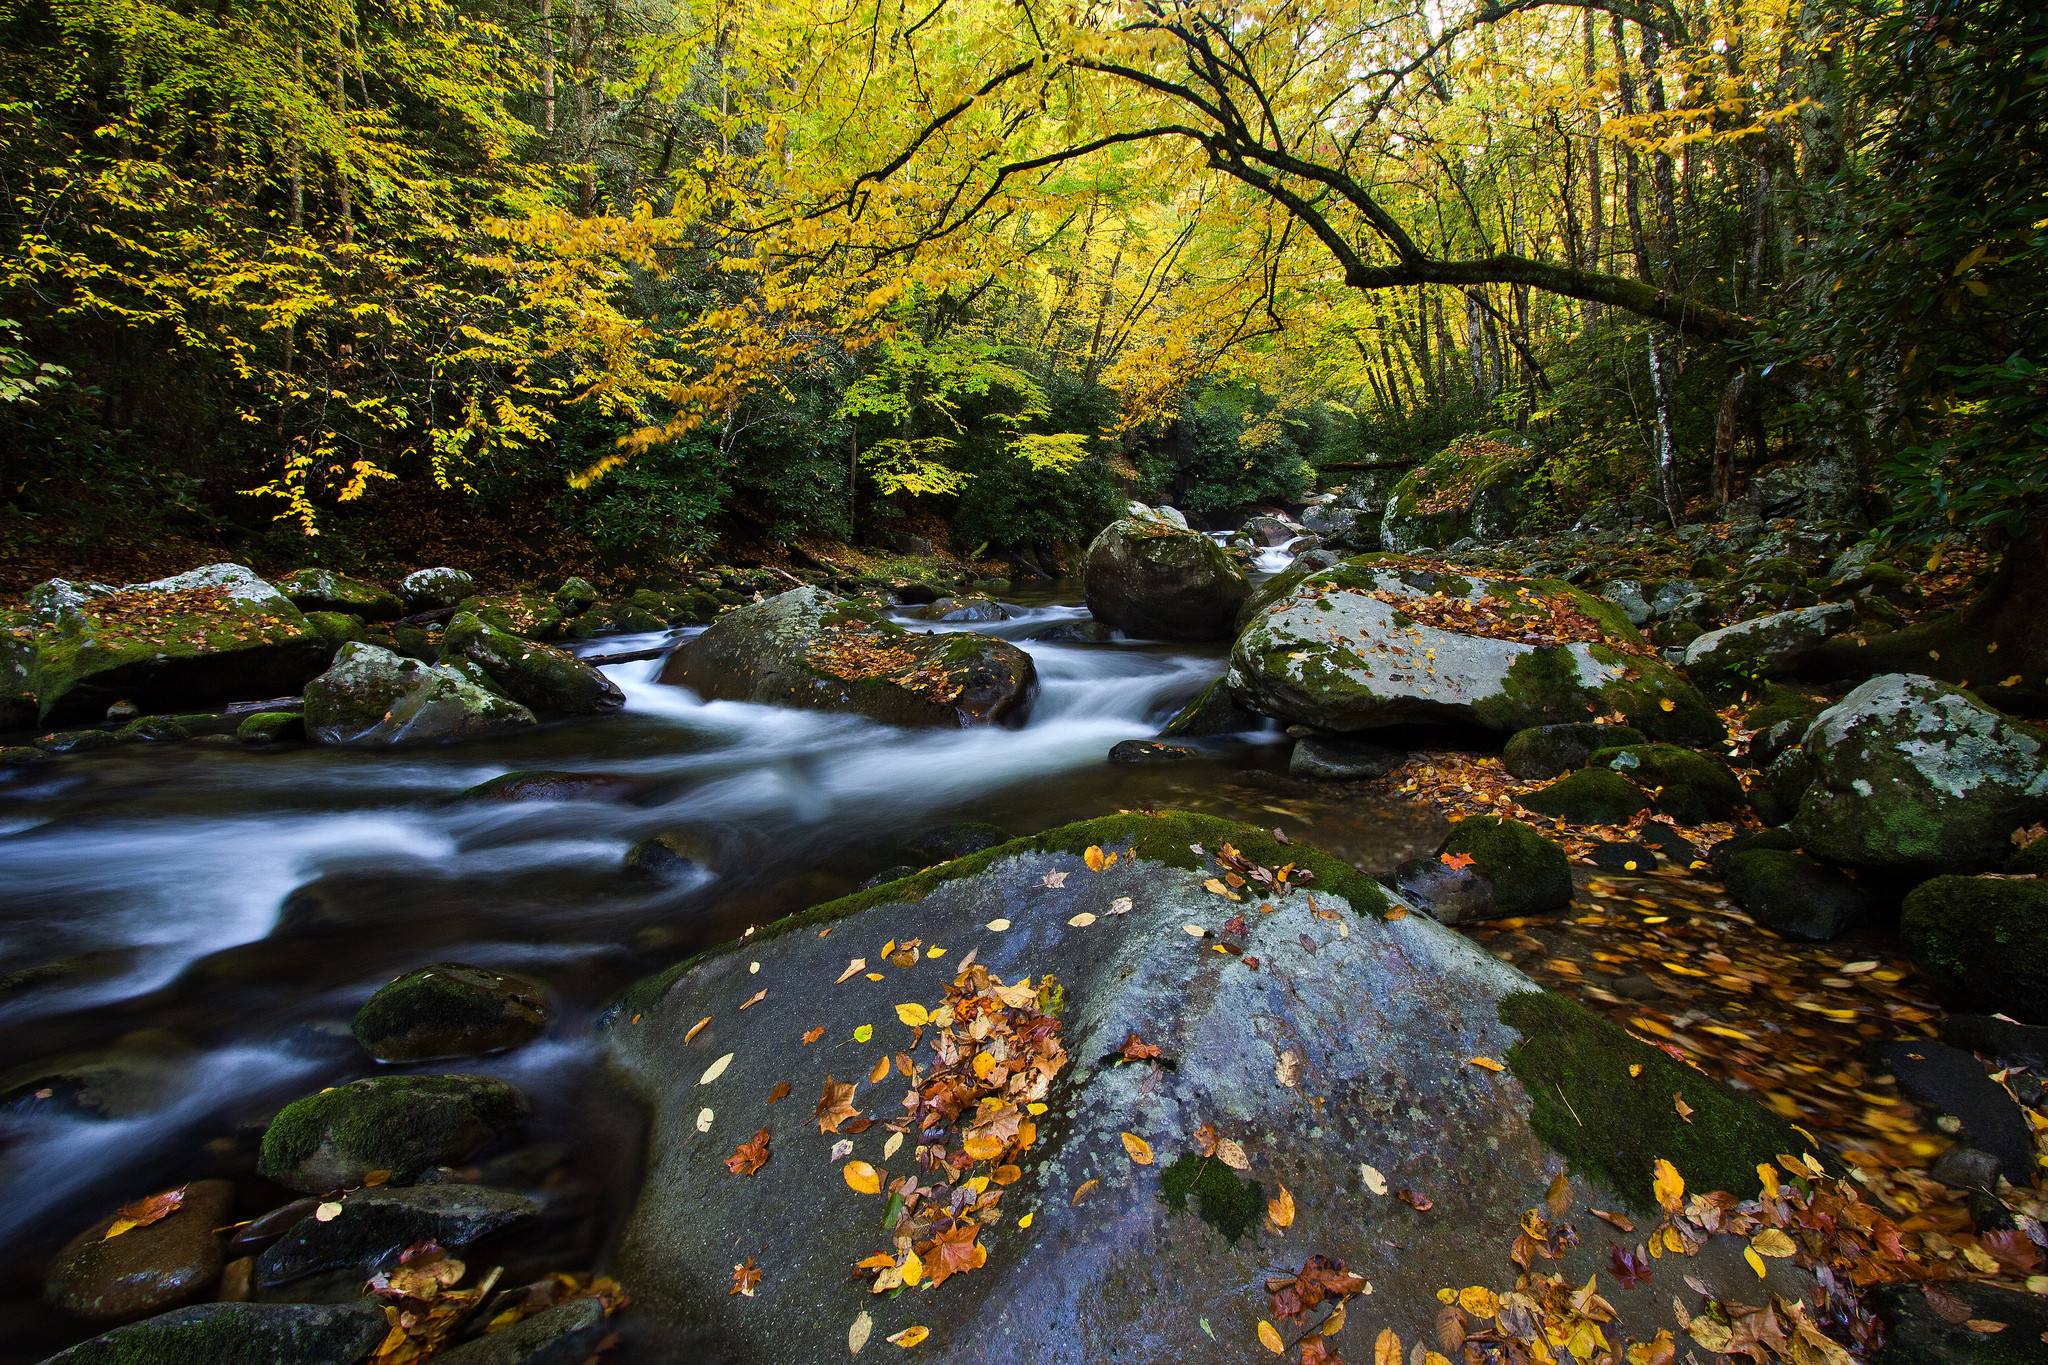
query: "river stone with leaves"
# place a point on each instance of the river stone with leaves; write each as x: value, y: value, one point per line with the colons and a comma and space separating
x: 1339, y: 1036
x: 1154, y: 579
x: 215, y: 634
x: 1369, y: 644
x: 809, y: 649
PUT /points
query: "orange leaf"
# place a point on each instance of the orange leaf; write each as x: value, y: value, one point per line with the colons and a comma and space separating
x: 143, y: 1212
x: 815, y: 1034
x: 1456, y: 860
x: 1140, y: 1150
x: 1269, y: 1337
x: 1281, y: 1210
x: 750, y: 1156
x: 909, y: 1337
x: 863, y: 1178
x: 1387, y: 1349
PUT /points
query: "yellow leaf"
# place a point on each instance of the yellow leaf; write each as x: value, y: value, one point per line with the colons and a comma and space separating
x: 1093, y: 857
x: 1489, y: 1063
x: 857, y: 1335
x: 983, y: 1064
x: 1387, y: 1349
x: 715, y: 1070
x: 881, y: 1070
x: 1669, y: 1186
x: 997, y: 925
x: 909, y: 1337
x: 1756, y: 1262
x: 1269, y: 1337
x: 1676, y: 1242
x: 1666, y: 704
x: 983, y: 1147
x: 864, y: 1178
x: 1140, y: 1150
x: 1281, y: 1210
x: 1773, y: 1243
x: 696, y: 1028
x: 1479, y: 1301
x: 914, y: 1015
x: 913, y: 1268
x: 1082, y: 920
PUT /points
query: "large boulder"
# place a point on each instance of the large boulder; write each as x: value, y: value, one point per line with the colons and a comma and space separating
x: 1349, y: 1051
x: 1733, y: 657
x: 807, y: 648
x: 1152, y: 579
x: 326, y: 590
x: 240, y: 1334
x: 401, y: 1125
x: 1546, y: 751
x: 196, y: 640
x: 1982, y: 943
x: 1792, y: 893
x: 1361, y: 646
x: 373, y: 696
x: 436, y: 589
x: 1689, y: 787
x: 1471, y: 489
x: 543, y: 679
x: 1907, y: 774
x: 1530, y: 874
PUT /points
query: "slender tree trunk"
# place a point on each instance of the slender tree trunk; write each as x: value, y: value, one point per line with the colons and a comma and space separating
x: 348, y: 229
x: 298, y: 146
x: 547, y: 68
x: 1725, y: 434
x: 1667, y: 197
x: 1667, y: 449
x: 1595, y: 204
x: 1475, y: 345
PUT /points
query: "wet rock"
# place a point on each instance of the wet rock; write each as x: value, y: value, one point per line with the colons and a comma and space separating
x: 2010, y: 1045
x: 433, y: 589
x: 252, y: 1237
x: 375, y: 1225
x: 1145, y: 751
x: 566, y: 1334
x: 1624, y: 857
x: 272, y: 727
x: 212, y: 635
x: 536, y: 784
x: 400, y: 1124
x: 1930, y: 1324
x: 539, y: 677
x: 1270, y: 530
x: 1546, y: 751
x: 1339, y: 653
x: 1590, y: 796
x: 1074, y: 633
x: 146, y: 1269
x: 97, y: 964
x: 809, y: 649
x: 1382, y: 1021
x: 1341, y: 760
x: 889, y: 874
x: 1793, y: 894
x: 575, y: 596
x: 373, y: 696
x: 1689, y: 787
x: 955, y: 841
x: 916, y: 594
x: 156, y: 730
x: 137, y: 1074
x: 324, y: 590
x: 673, y: 854
x: 1734, y: 657
x: 1530, y: 874
x: 1155, y: 580
x: 1950, y: 1081
x: 22, y: 757
x: 1982, y: 943
x: 80, y: 741
x: 1968, y: 1168
x: 450, y: 1009
x: 1455, y: 895
x: 239, y: 1334
x: 1913, y: 775
x: 973, y: 608
x: 1214, y: 712
x: 1675, y: 847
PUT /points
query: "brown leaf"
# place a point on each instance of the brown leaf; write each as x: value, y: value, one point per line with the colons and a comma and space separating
x: 1206, y: 1139
x: 756, y: 998
x: 1136, y: 1049
x: 834, y: 1107
x: 1558, y: 1200
x: 780, y: 1092
x: 750, y: 1156
x: 696, y: 1028
x: 1420, y: 1202
x: 1081, y: 1195
x: 744, y: 1278
x: 815, y: 1034
x: 143, y: 1212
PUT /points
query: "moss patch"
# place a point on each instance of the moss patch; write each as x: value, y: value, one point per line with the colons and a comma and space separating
x: 1612, y: 1127
x: 400, y: 1123
x: 1530, y: 874
x: 1982, y: 941
x: 1226, y: 1203
x: 1590, y: 796
x: 1688, y: 787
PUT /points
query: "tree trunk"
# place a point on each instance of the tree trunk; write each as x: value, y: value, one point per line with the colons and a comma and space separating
x: 1667, y: 449
x: 348, y: 229
x: 1725, y: 437
x: 1595, y: 205
x: 547, y: 66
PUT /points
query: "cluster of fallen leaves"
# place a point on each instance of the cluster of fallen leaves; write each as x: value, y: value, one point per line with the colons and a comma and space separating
x: 855, y: 652
x: 176, y: 615
x: 425, y: 1313
x: 143, y: 1212
x: 1527, y: 617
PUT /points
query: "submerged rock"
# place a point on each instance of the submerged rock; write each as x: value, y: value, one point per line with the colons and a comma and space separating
x: 1792, y: 893
x: 1145, y: 751
x: 1214, y: 712
x: 1919, y: 1333
x: 398, y: 1124
x: 673, y: 854
x: 1331, y: 759
x: 375, y: 1225
x: 146, y: 1269
x: 1074, y: 633
x: 1374, y: 1018
x: 809, y: 649
x: 1155, y: 580
x: 216, y: 634
x: 543, y: 679
x: 240, y: 1334
x: 1912, y: 775
x: 535, y: 784
x: 450, y: 1009
x: 956, y: 840
x: 1982, y: 943
x: 567, y: 1334
x: 1949, y: 1081
x: 1354, y: 648
x: 372, y: 696
x: 325, y: 590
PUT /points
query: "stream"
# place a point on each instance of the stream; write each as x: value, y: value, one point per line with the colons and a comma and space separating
x: 221, y: 914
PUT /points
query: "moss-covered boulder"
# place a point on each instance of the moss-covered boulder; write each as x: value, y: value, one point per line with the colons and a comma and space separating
x: 1545, y: 751
x: 18, y: 709
x: 314, y: 590
x: 1792, y: 893
x: 543, y: 679
x: 1590, y: 796
x: 1908, y: 774
x: 1727, y: 660
x: 969, y: 608
x: 1530, y: 874
x: 1156, y: 580
x: 271, y: 727
x: 1472, y: 488
x: 809, y: 649
x: 524, y: 614
x: 372, y: 696
x: 1334, y: 1039
x: 1367, y: 644
x: 1213, y: 712
x: 435, y: 589
x: 145, y: 1269
x: 2031, y: 861
x: 1689, y: 787
x: 213, y: 635
x: 450, y: 1009
x: 1982, y: 942
x: 574, y: 597
x: 401, y: 1125
x: 240, y: 1334
x: 337, y: 628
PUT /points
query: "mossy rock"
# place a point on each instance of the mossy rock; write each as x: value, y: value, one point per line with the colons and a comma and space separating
x: 450, y: 1009
x: 326, y: 592
x: 337, y: 628
x: 1545, y: 751
x: 1225, y: 1201
x: 2031, y: 861
x: 1792, y: 893
x: 156, y: 729
x: 1614, y: 1126
x: 574, y: 597
x: 1214, y: 712
x: 400, y: 1124
x: 545, y: 680
x: 1473, y: 487
x: 433, y: 589
x: 1590, y: 796
x: 1689, y: 787
x: 271, y: 727
x: 1777, y: 704
x: 373, y: 696
x: 239, y: 1334
x: 1982, y: 943
x: 526, y: 615
x: 1530, y: 874
x: 1157, y: 581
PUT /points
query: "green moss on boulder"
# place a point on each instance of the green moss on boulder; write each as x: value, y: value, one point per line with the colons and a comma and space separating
x: 1545, y: 751
x: 450, y: 1009
x: 400, y: 1124
x: 543, y: 679
x: 1530, y: 874
x: 1590, y: 796
x: 1227, y: 1203
x: 1983, y: 943
x: 271, y: 727
x: 1792, y: 893
x: 1687, y: 786
x: 1158, y: 581
x: 239, y: 1334
x: 325, y: 591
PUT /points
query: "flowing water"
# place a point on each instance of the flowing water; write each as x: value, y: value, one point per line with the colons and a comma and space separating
x: 221, y: 914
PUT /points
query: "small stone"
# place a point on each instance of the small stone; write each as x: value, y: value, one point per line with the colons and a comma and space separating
x: 450, y: 1010
x: 432, y: 589
x: 146, y: 1269
x: 1547, y: 751
x: 1968, y: 1168
x: 1334, y: 759
x: 1145, y: 751
x: 541, y: 785
x: 272, y: 727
